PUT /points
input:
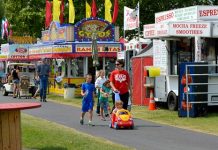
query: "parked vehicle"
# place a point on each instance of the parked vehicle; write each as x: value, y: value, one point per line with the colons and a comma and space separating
x: 25, y: 69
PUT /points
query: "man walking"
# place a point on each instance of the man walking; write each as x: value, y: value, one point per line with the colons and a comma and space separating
x: 43, y: 71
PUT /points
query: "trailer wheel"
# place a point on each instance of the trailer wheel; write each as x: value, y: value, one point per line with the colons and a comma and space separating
x: 172, y: 101
x: 4, y: 92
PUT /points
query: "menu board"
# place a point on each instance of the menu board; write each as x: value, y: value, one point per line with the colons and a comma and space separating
x: 160, y: 55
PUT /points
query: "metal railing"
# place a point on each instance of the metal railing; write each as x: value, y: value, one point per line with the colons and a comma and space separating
x: 187, y: 74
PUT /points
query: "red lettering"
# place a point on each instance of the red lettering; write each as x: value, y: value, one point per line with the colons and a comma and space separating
x: 209, y: 12
x: 164, y: 17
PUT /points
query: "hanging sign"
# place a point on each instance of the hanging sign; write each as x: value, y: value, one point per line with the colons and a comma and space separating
x: 101, y: 47
x: 84, y: 29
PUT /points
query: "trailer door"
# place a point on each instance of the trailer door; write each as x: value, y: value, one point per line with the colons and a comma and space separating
x: 160, y: 88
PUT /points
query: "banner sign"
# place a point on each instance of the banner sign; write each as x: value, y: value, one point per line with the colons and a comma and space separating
x: 156, y: 30
x: 18, y: 51
x: 190, y: 29
x: 192, y: 13
x: 101, y: 47
x: 177, y: 29
x: 40, y: 50
x: 131, y: 20
x: 84, y: 29
x: 62, y: 49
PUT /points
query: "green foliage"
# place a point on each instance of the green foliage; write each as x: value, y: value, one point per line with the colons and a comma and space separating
x: 28, y: 16
x: 25, y: 16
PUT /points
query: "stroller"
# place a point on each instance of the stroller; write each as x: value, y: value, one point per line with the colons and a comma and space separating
x: 24, y: 87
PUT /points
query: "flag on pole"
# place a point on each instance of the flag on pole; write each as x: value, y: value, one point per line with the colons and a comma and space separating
x: 48, y: 14
x: 131, y: 18
x: 88, y: 10
x: 94, y: 9
x: 108, y: 6
x: 56, y: 10
x: 3, y: 29
x: 71, y: 12
x: 61, y: 17
x: 116, y: 9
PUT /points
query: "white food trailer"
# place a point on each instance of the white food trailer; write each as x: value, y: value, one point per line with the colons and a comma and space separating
x: 184, y: 35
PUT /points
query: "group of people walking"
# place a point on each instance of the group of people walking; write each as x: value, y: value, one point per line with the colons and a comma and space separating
x: 118, y: 82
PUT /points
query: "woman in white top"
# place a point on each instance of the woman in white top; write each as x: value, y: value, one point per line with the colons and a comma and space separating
x: 98, y: 84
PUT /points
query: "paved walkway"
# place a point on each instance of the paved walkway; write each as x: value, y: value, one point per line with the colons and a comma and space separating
x: 145, y: 136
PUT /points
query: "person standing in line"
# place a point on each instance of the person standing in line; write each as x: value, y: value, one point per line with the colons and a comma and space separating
x: 98, y: 84
x: 87, y: 91
x: 120, y: 82
x: 43, y: 71
x: 16, y: 80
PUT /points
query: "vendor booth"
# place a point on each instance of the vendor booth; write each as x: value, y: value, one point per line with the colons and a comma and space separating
x: 70, y: 53
x: 12, y: 53
x: 141, y: 90
x: 180, y: 36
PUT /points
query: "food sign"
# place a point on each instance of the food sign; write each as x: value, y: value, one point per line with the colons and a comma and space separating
x: 84, y: 30
x: 18, y: 51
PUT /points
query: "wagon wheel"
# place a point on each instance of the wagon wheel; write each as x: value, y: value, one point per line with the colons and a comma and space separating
x: 4, y: 92
x: 110, y: 125
x: 116, y: 126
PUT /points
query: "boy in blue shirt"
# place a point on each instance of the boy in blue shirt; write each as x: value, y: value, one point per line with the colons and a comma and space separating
x: 87, y: 92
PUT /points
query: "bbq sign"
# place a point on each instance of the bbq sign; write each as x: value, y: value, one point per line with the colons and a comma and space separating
x: 84, y: 30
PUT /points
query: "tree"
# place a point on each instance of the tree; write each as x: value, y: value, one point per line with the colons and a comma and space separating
x: 27, y: 17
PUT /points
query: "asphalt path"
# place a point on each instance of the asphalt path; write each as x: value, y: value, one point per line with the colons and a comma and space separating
x: 145, y: 136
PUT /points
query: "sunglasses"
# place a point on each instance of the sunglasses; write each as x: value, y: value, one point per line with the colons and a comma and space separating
x: 117, y: 64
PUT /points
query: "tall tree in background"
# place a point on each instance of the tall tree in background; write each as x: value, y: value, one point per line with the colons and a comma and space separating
x: 27, y: 17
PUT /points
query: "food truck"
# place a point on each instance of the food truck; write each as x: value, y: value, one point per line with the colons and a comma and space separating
x: 185, y: 45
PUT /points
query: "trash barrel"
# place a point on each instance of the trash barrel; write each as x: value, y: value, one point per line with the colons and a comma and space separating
x: 69, y: 91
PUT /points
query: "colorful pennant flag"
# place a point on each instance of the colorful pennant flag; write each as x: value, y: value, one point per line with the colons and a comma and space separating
x: 116, y: 9
x: 88, y: 10
x: 56, y: 10
x: 71, y: 12
x: 108, y: 6
x: 94, y: 9
x: 48, y: 14
x: 5, y: 26
x: 61, y: 17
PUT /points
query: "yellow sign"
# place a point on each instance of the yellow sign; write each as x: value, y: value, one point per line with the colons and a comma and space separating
x: 62, y: 49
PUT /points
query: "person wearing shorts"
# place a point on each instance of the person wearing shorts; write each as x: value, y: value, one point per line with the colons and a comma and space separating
x: 87, y: 92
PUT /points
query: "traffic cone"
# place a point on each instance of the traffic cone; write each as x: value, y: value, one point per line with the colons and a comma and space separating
x: 152, y: 105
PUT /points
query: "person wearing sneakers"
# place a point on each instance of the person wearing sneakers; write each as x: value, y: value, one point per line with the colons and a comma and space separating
x: 120, y: 82
x: 87, y: 92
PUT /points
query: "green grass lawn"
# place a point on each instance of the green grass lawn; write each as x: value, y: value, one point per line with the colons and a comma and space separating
x: 39, y: 134
x: 206, y: 124
x: 44, y: 135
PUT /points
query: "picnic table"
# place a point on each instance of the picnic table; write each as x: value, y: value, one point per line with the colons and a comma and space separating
x: 10, y: 124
